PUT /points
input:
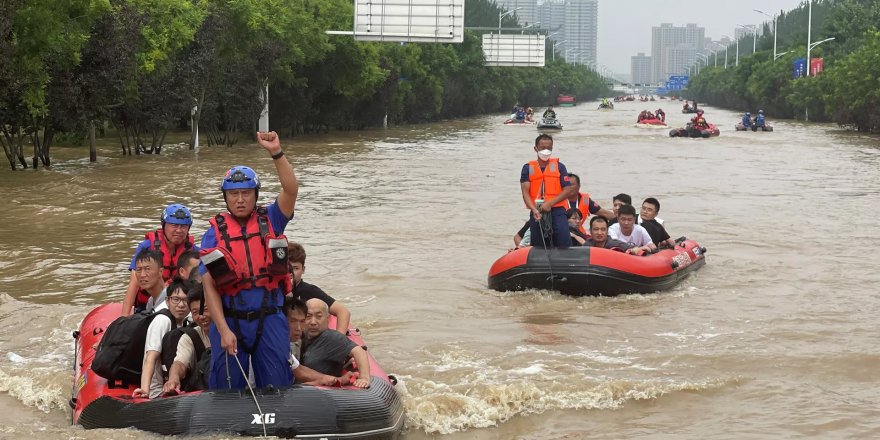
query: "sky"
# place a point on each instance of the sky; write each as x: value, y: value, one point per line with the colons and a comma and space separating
x: 625, y: 25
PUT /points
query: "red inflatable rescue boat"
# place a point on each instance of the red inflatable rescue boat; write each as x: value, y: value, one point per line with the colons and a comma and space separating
x: 591, y: 271
x: 292, y: 412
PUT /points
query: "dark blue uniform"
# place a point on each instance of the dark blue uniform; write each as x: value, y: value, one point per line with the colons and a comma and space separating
x: 560, y: 237
x: 271, y: 357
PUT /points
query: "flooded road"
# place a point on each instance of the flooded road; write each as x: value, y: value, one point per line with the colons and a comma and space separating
x: 774, y: 338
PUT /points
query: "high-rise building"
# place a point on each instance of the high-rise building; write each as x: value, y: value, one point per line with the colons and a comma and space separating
x: 641, y: 69
x: 674, y: 48
x: 581, y: 29
x: 576, y: 24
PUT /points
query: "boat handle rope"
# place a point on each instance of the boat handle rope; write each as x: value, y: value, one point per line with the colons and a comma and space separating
x: 250, y: 388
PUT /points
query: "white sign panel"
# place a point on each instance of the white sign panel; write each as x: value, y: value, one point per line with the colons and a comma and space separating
x: 417, y: 21
x: 514, y: 50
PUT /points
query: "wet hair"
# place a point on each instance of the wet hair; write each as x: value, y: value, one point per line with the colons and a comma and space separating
x: 541, y: 137
x: 573, y: 212
x: 598, y: 218
x: 292, y: 303
x: 625, y: 198
x: 575, y: 176
x: 296, y: 253
x: 185, y: 285
x: 196, y: 293
x: 149, y: 254
x: 626, y: 210
x: 654, y: 202
x: 185, y: 257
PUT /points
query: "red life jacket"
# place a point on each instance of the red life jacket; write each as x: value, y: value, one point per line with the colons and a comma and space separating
x: 169, y: 260
x: 545, y: 184
x: 248, y: 255
x: 583, y: 205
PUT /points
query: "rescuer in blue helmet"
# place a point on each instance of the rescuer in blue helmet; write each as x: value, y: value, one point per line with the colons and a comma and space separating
x: 246, y: 275
x: 172, y: 240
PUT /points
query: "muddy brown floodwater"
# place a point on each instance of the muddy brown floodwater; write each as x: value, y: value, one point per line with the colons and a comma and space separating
x: 776, y: 337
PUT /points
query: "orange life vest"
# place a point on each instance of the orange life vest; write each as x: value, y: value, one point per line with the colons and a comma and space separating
x: 583, y: 205
x: 247, y: 254
x: 545, y: 184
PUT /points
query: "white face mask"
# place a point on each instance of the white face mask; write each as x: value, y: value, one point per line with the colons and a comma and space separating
x: 545, y: 154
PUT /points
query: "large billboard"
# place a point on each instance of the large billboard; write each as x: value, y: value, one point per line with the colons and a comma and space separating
x: 514, y: 50
x: 416, y: 21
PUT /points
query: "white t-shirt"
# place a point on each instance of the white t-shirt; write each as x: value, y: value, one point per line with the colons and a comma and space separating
x: 155, y: 332
x: 639, y: 236
x: 294, y: 362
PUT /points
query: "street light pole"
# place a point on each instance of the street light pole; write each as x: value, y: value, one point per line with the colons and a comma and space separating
x: 505, y: 14
x: 535, y: 24
x: 556, y: 43
x: 809, y: 37
x: 774, y: 17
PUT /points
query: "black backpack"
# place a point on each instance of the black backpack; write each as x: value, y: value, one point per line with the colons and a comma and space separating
x: 120, y: 354
x: 194, y: 380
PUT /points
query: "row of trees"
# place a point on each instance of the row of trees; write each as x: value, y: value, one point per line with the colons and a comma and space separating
x: 846, y: 92
x: 142, y: 66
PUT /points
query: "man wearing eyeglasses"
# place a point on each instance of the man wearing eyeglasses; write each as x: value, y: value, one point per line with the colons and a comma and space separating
x: 245, y: 276
x: 171, y: 240
x: 164, y: 321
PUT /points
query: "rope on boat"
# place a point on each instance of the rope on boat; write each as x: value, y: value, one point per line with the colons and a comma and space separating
x: 250, y: 388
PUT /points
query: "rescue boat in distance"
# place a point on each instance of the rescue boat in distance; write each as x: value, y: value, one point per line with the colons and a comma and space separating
x: 591, y: 271
x: 291, y: 412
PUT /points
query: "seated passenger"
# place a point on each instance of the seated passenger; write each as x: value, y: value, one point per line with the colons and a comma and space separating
x: 700, y: 121
x: 148, y: 270
x: 530, y: 113
x: 170, y: 241
x: 578, y: 238
x: 151, y: 372
x: 188, y: 266
x: 599, y: 238
x: 520, y: 236
x: 661, y: 115
x: 296, y: 317
x: 327, y: 352
x: 549, y: 113
x: 296, y: 258
x: 184, y: 374
x: 648, y: 220
x: 747, y: 120
x: 583, y: 203
x: 618, y: 201
x: 686, y: 106
x: 627, y: 231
